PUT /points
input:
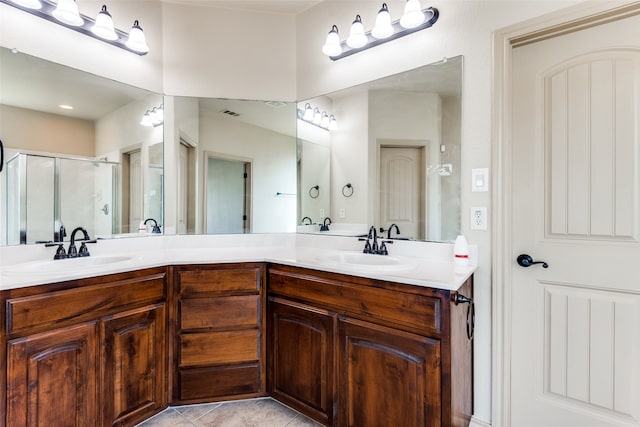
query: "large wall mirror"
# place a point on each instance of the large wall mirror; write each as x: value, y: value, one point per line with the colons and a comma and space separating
x: 77, y: 153
x: 237, y: 165
x: 393, y: 159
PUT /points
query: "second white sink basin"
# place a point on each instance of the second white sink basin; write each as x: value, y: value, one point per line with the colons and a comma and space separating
x: 367, y: 262
x: 62, y: 265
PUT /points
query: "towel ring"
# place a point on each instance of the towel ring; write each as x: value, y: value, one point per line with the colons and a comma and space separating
x: 314, y: 191
x: 347, y: 190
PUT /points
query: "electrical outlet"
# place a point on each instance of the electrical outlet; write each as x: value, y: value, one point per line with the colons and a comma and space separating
x: 478, y: 218
x: 322, y: 213
x: 342, y: 213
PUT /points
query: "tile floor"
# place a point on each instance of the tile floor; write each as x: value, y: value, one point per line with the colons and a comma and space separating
x: 264, y: 412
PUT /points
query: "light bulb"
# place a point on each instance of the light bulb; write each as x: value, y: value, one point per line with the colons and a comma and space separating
x: 333, y: 123
x: 413, y: 14
x: 308, y: 112
x: 103, y: 26
x: 136, y: 41
x: 332, y: 45
x: 317, y: 116
x: 67, y: 12
x: 29, y: 4
x: 357, y: 37
x: 383, y: 27
x: 325, y: 120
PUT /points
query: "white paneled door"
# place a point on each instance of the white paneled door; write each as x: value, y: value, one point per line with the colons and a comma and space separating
x: 575, y: 331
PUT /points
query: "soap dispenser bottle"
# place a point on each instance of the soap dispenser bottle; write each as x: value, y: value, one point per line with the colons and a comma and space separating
x: 461, y: 251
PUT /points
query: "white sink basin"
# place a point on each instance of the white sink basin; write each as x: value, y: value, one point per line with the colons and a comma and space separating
x: 64, y: 265
x: 367, y: 262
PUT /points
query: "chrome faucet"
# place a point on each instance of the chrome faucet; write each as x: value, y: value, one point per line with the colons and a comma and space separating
x: 306, y: 217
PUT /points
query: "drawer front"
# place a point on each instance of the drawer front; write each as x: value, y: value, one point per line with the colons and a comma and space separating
x: 220, y: 313
x: 218, y: 348
x: 418, y: 312
x: 199, y: 280
x: 214, y: 382
x: 76, y: 305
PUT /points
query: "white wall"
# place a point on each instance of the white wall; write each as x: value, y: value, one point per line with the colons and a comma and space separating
x: 273, y: 167
x: 464, y: 28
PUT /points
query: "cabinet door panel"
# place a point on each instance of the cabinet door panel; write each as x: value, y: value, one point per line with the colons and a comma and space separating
x: 52, y: 378
x: 134, y: 371
x: 301, y: 364
x: 387, y: 377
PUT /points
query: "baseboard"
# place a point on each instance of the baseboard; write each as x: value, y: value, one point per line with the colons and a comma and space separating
x: 476, y: 422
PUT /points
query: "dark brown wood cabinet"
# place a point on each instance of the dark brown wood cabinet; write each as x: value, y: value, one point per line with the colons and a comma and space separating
x: 86, y: 352
x: 356, y: 352
x: 218, y: 343
x: 301, y: 368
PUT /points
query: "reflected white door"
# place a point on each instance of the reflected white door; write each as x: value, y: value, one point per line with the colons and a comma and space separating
x: 136, y: 191
x: 575, y: 330
x: 401, y: 190
x: 183, y: 189
x: 226, y: 202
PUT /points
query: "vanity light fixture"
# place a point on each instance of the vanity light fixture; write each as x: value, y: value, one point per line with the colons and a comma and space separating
x: 103, y: 27
x: 153, y: 117
x: 314, y: 117
x: 414, y: 19
x: 65, y: 13
x: 29, y: 4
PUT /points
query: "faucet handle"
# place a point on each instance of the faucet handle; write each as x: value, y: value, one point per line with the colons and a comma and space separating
x: 367, y: 245
x: 383, y: 248
x: 60, y: 252
x: 84, y: 251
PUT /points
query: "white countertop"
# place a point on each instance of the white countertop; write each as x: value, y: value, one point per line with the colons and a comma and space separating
x: 414, y: 263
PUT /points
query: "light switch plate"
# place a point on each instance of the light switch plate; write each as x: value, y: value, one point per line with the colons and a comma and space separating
x: 480, y: 179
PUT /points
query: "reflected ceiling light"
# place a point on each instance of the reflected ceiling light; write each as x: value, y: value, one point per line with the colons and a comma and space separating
x: 414, y: 19
x: 29, y: 4
x: 103, y: 26
x: 153, y: 117
x: 383, y: 27
x: 65, y: 107
x: 413, y: 14
x: 314, y: 117
x: 308, y: 113
x: 65, y: 12
x: 332, y: 45
x: 357, y: 37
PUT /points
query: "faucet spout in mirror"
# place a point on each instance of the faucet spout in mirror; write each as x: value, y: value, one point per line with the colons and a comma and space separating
x: 156, y: 227
x: 304, y: 219
x: 325, y: 226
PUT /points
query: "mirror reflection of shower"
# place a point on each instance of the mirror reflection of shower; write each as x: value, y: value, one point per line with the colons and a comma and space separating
x: 44, y: 193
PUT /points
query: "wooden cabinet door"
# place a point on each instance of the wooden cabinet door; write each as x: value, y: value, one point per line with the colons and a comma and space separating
x: 301, y: 371
x: 134, y: 369
x: 387, y: 377
x: 52, y: 378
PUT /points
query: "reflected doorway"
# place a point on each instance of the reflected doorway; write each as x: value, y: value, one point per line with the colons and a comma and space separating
x: 402, y: 195
x: 227, y: 195
x: 133, y: 192
x: 186, y: 188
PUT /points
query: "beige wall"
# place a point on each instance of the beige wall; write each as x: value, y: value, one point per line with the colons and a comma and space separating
x: 54, y: 133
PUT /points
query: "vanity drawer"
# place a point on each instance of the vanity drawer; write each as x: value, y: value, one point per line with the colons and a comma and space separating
x: 70, y: 306
x: 218, y: 348
x: 220, y: 312
x: 223, y: 381
x: 363, y: 298
x: 219, y: 280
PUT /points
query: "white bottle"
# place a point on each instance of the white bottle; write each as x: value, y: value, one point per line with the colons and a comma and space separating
x: 461, y: 251
x: 142, y: 228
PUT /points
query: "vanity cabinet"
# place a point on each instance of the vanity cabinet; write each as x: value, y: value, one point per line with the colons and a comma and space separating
x: 357, y: 352
x: 301, y: 368
x: 86, y: 352
x: 218, y: 344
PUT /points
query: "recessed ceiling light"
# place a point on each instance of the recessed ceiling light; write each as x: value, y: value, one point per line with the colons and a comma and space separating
x: 65, y: 107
